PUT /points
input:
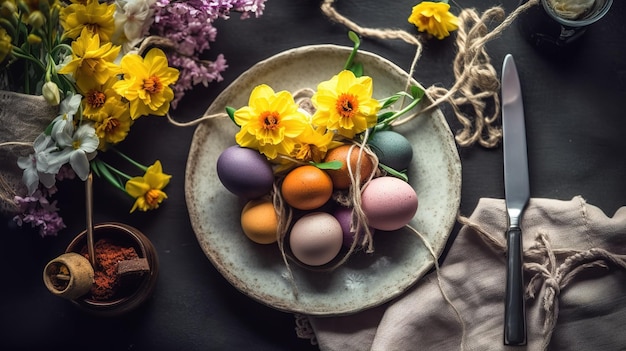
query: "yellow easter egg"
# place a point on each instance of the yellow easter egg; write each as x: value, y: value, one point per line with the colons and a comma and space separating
x: 259, y: 221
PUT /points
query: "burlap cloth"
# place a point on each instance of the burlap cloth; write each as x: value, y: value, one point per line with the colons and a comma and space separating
x: 575, y: 271
x: 22, y: 118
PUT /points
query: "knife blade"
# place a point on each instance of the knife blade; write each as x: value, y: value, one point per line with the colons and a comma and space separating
x: 517, y: 194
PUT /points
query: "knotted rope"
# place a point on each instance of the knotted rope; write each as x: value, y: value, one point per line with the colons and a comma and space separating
x: 476, y: 82
x: 556, y: 277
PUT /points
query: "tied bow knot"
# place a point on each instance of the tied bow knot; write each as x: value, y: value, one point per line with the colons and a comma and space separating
x: 542, y: 261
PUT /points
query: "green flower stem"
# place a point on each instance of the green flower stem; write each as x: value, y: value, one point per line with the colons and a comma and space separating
x: 133, y: 162
x: 117, y: 171
x: 21, y: 31
x: 357, y: 43
x: 394, y: 173
x: 59, y: 47
x: 66, y: 86
x: 50, y: 68
x: 110, y: 173
x: 384, y: 123
x: 29, y: 60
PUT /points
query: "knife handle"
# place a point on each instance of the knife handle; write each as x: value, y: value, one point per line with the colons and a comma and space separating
x: 514, y: 310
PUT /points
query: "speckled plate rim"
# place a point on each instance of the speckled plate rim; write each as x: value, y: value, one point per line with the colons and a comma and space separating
x: 365, y: 281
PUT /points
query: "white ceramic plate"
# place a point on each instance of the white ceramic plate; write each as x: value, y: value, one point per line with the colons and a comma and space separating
x: 365, y: 281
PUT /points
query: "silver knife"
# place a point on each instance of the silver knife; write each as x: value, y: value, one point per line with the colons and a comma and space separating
x: 517, y: 193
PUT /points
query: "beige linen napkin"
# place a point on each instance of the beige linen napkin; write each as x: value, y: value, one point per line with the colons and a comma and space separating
x: 575, y: 271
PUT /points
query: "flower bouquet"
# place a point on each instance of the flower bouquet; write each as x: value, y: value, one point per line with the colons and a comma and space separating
x: 90, y: 69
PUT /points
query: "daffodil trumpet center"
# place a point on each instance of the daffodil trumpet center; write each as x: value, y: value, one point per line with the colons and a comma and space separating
x: 96, y: 98
x: 152, y: 197
x: 347, y: 105
x: 153, y: 85
x: 111, y: 125
x: 270, y: 120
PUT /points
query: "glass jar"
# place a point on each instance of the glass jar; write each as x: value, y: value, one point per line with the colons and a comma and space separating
x: 545, y: 28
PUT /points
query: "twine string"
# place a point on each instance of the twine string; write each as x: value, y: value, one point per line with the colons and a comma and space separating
x: 440, y: 284
x: 472, y: 68
x: 331, y: 13
x: 557, y: 277
x: 16, y: 143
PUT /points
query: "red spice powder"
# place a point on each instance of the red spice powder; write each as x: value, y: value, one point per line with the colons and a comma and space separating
x: 106, y: 278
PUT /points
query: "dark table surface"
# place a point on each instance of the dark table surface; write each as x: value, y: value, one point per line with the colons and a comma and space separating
x: 576, y: 144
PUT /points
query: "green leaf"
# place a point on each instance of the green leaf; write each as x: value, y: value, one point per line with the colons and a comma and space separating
x: 231, y: 113
x: 357, y: 43
x: 357, y: 69
x: 94, y: 168
x: 129, y: 159
x: 390, y: 101
x: 384, y: 116
x: 333, y: 165
x: 394, y: 173
x: 417, y: 92
x: 48, y: 130
x: 355, y: 39
x: 101, y: 170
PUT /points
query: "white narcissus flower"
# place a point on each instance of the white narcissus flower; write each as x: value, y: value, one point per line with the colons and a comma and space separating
x: 63, y: 124
x: 132, y: 20
x: 80, y: 151
x: 84, y: 149
x: 36, y: 167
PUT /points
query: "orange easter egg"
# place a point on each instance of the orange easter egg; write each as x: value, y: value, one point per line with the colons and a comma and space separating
x: 259, y: 221
x: 341, y: 177
x: 307, y: 187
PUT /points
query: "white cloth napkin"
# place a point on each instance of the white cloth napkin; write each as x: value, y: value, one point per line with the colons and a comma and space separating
x: 575, y: 271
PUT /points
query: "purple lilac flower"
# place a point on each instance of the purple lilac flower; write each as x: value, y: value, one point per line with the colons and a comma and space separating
x: 189, y: 24
x: 39, y: 212
x: 65, y: 172
x: 194, y: 72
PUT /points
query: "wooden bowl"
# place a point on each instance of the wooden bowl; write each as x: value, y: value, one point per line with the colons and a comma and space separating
x: 136, y: 290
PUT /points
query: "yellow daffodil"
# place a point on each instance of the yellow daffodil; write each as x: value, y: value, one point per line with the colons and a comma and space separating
x: 96, y: 96
x: 313, y: 144
x: 112, y: 122
x: 5, y: 44
x: 90, y: 61
x: 345, y: 104
x: 148, y: 190
x: 146, y: 83
x: 434, y: 18
x: 270, y: 122
x: 97, y: 17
